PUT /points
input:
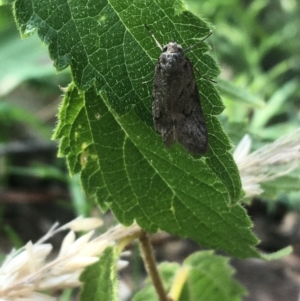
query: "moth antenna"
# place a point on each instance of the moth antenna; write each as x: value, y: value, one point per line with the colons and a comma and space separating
x: 189, y: 48
x: 152, y: 35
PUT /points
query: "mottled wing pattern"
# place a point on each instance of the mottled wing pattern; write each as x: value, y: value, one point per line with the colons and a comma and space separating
x: 177, y: 111
x: 192, y: 130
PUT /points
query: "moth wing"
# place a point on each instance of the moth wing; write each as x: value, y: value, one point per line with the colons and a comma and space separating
x: 161, y: 115
x: 191, y: 130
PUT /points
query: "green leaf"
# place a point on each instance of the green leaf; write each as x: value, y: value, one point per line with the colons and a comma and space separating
x: 29, y: 54
x: 12, y: 114
x: 239, y: 94
x: 106, y: 128
x: 286, y: 183
x: 209, y: 279
x: 100, y: 279
x: 274, y: 105
x: 279, y: 254
x: 274, y: 131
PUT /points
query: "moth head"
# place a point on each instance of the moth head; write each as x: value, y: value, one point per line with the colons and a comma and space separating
x: 172, y: 47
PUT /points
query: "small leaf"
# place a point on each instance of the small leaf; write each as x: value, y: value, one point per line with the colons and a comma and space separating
x: 279, y: 254
x: 100, y: 279
x: 274, y: 105
x: 287, y: 183
x: 239, y: 94
x: 35, y: 64
x: 209, y: 279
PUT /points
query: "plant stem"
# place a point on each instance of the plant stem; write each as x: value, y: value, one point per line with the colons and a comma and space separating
x: 150, y: 264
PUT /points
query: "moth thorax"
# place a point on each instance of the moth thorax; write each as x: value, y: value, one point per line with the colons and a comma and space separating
x: 172, y: 47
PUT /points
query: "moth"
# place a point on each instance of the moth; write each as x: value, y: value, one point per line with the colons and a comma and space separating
x: 176, y: 107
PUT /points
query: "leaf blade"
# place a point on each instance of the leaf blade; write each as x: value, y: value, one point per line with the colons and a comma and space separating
x: 106, y: 126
